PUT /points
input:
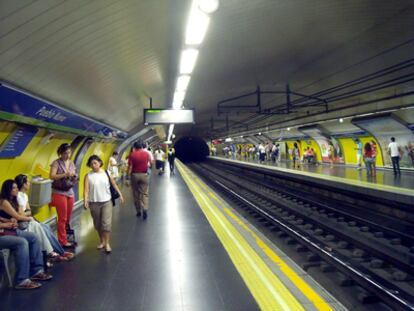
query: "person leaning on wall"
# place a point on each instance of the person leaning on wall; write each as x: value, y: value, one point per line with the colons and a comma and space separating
x: 63, y: 174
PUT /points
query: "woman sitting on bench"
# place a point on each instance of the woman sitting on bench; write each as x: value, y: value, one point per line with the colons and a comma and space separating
x: 24, y: 245
x: 50, y: 244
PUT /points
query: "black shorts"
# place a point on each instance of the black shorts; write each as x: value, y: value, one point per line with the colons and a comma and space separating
x: 159, y: 164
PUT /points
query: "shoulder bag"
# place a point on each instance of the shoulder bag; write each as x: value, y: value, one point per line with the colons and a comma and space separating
x: 114, y: 193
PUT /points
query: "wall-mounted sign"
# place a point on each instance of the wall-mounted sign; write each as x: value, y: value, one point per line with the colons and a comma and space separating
x: 18, y: 106
x: 17, y: 141
x: 168, y: 116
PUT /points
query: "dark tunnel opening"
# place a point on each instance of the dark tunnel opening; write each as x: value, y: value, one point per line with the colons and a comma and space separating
x: 191, y: 149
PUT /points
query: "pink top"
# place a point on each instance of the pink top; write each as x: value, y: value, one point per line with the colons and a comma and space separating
x: 60, y: 170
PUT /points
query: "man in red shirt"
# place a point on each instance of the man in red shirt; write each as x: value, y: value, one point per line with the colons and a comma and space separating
x: 137, y: 169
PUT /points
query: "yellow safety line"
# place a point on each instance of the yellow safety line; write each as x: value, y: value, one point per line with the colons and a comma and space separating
x: 266, y: 288
x: 304, y: 287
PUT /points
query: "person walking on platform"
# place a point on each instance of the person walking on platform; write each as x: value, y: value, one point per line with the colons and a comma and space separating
x: 295, y: 155
x: 137, y: 169
x: 63, y: 174
x: 97, y: 197
x: 374, y: 157
x: 262, y: 153
x: 159, y: 160
x: 113, y: 165
x: 394, y: 150
x: 171, y: 159
x: 368, y: 158
x: 359, y: 153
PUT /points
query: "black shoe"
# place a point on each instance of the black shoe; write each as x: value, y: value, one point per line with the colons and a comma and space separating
x: 139, y: 214
x: 145, y: 215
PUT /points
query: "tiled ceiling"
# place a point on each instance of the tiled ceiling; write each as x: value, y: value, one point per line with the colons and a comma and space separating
x: 104, y: 58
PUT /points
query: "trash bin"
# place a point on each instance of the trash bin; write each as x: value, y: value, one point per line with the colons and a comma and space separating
x: 40, y: 192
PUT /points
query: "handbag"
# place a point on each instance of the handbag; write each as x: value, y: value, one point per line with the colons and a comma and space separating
x: 22, y: 225
x: 114, y: 193
x: 63, y: 184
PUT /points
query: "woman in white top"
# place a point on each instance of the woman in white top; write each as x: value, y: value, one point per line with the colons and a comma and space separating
x: 113, y: 165
x: 97, y: 197
x: 48, y: 241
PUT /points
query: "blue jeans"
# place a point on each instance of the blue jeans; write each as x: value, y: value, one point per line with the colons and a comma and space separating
x: 396, y: 165
x: 53, y: 240
x: 27, y: 253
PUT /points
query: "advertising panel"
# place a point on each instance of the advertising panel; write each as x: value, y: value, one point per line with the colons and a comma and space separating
x: 330, y: 148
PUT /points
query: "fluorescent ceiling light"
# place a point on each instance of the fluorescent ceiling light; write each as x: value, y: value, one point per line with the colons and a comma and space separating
x: 170, y: 131
x: 188, y: 60
x: 208, y: 6
x: 182, y: 83
x: 197, y: 25
x: 177, y: 104
x: 179, y: 96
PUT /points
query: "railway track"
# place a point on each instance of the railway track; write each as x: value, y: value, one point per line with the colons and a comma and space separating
x: 375, y: 253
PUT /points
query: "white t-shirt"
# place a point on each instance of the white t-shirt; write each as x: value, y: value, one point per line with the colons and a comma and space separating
x: 98, y: 187
x: 22, y: 199
x: 113, y: 167
x: 393, y: 147
x: 159, y: 155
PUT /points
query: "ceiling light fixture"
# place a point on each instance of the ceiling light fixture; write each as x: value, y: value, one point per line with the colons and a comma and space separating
x: 188, y: 60
x: 197, y: 25
x: 182, y: 83
x: 208, y: 6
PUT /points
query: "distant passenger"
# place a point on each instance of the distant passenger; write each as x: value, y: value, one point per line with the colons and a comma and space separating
x: 359, y: 153
x: 151, y: 160
x: 374, y: 157
x: 24, y: 245
x: 159, y: 160
x: 49, y: 244
x: 262, y: 153
x: 295, y: 155
x: 113, y: 165
x: 368, y: 158
x: 63, y: 174
x: 97, y: 197
x: 410, y: 150
x: 394, y: 150
x: 171, y: 160
x: 331, y: 154
x: 137, y: 170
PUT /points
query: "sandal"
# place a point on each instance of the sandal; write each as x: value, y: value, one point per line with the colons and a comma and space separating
x: 108, y: 249
x: 100, y: 246
x: 28, y: 285
x: 68, y: 255
x: 41, y: 276
x: 57, y: 258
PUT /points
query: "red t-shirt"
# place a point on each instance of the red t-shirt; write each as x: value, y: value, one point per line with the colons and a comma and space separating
x: 138, y: 161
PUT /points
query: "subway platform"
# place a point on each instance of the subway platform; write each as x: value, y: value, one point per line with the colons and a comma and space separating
x: 194, y: 252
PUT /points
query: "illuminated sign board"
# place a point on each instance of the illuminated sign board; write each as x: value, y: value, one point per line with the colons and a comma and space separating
x: 168, y: 116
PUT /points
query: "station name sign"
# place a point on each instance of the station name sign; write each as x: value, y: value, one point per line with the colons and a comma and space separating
x: 19, y: 106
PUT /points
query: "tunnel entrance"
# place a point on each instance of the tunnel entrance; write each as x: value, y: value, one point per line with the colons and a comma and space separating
x: 191, y: 149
